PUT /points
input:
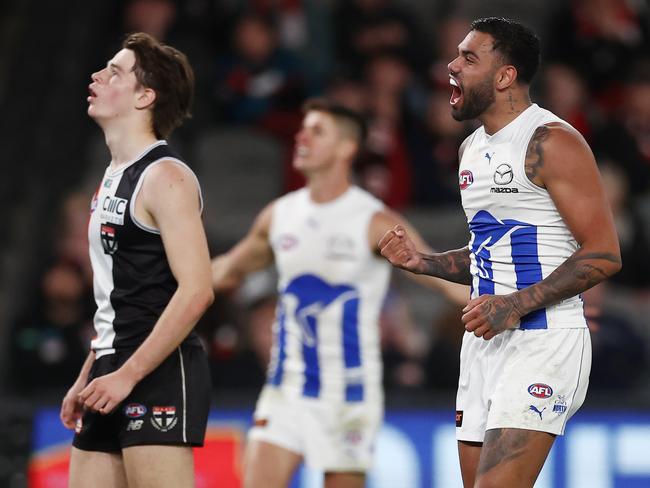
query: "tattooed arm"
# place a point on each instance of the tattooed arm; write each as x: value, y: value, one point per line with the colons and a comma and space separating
x: 559, y: 160
x: 398, y: 247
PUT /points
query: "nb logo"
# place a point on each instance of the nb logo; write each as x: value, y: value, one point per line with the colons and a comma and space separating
x: 134, y: 425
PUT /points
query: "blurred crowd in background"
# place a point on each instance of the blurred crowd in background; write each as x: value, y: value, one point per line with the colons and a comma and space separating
x: 257, y: 61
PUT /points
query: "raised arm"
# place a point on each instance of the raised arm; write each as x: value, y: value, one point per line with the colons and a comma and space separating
x: 559, y: 160
x: 388, y: 220
x: 252, y: 253
x: 169, y: 198
x: 397, y: 246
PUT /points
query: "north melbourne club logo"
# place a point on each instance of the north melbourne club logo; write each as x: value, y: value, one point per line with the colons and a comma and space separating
x: 164, y: 418
x: 560, y: 405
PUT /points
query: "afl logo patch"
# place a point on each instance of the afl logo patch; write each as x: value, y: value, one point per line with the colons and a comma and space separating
x: 465, y: 179
x: 540, y: 390
x: 503, y: 175
x: 135, y: 410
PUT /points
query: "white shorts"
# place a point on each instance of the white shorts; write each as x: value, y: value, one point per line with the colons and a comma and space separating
x: 522, y: 379
x: 330, y: 436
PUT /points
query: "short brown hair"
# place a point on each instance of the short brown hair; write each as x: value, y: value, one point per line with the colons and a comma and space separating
x: 167, y: 71
x: 350, y: 120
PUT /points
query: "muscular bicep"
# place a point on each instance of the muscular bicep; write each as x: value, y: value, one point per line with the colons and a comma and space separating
x: 169, y: 195
x: 567, y: 169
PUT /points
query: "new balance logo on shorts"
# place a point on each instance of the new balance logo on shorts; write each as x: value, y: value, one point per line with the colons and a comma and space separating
x: 459, y: 418
x: 134, y: 425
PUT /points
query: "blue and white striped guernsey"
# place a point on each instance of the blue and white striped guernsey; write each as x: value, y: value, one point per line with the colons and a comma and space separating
x: 517, y: 237
x: 331, y: 286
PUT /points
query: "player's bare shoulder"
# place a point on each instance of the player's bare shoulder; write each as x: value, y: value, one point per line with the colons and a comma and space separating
x: 548, y: 149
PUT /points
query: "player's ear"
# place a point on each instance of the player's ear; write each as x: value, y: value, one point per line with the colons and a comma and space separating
x: 348, y: 148
x: 144, y: 98
x: 505, y: 76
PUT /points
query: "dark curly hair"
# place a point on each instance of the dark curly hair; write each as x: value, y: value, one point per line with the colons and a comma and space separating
x: 518, y: 44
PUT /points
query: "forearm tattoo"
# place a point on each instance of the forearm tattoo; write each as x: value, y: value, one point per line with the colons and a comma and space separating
x: 577, y: 274
x: 535, y: 155
x: 450, y: 266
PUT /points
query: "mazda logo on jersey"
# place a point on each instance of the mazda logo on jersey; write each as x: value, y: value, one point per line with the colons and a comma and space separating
x: 113, y: 209
x: 108, y: 239
x: 503, y: 175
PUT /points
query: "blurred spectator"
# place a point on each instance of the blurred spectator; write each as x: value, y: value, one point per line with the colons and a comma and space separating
x: 619, y: 352
x: 566, y: 94
x: 241, y: 349
x: 600, y: 38
x: 442, y: 361
x: 633, y: 232
x: 393, y: 96
x: 365, y: 28
x: 434, y: 152
x: 448, y: 35
x: 51, y: 341
x: 185, y: 26
x: 403, y: 343
x: 260, y: 83
x: 71, y: 234
x: 304, y: 27
x: 625, y: 138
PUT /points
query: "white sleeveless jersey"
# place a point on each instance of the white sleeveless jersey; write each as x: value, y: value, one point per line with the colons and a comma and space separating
x: 331, y: 288
x: 517, y: 237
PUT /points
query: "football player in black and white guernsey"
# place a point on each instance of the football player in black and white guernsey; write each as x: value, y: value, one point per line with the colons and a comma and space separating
x: 142, y: 398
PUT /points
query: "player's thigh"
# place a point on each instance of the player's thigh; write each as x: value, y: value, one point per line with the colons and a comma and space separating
x: 269, y: 465
x: 97, y: 469
x: 512, y: 457
x: 345, y: 480
x: 159, y: 466
x: 469, y: 454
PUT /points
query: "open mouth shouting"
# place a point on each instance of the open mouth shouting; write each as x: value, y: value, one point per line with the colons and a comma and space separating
x: 456, y: 91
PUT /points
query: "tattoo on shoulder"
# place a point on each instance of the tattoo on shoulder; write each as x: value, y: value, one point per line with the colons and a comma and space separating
x: 535, y: 155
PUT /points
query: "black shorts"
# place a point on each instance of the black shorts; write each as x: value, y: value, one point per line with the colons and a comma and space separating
x: 170, y: 406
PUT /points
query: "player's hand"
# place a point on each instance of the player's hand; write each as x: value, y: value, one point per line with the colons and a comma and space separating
x: 399, y: 249
x: 489, y: 315
x: 103, y: 394
x: 71, y: 407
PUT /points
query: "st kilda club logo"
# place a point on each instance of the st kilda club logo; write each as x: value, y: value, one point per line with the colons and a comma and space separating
x: 164, y: 418
x: 109, y: 243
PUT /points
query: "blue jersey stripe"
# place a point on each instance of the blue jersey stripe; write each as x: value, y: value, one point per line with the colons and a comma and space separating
x: 311, y: 387
x: 351, y: 349
x: 528, y: 271
x: 275, y: 377
x: 487, y: 231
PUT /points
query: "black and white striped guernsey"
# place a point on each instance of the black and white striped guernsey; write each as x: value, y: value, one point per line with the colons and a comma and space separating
x: 133, y: 282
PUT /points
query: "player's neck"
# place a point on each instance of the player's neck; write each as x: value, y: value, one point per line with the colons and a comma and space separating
x: 508, y: 106
x: 325, y: 187
x: 125, y: 143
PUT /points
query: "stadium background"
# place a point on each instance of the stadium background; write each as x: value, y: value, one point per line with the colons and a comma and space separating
x: 255, y: 62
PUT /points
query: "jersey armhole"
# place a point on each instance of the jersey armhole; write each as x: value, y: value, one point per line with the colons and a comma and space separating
x: 138, y: 187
